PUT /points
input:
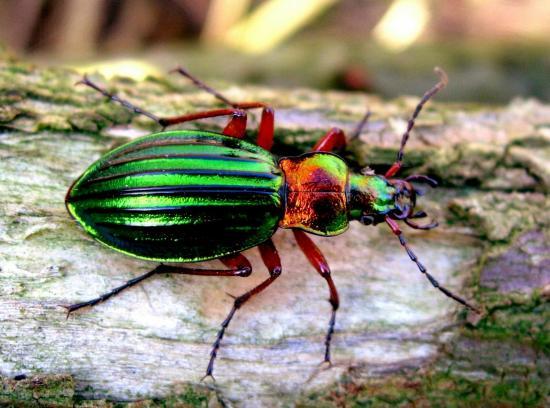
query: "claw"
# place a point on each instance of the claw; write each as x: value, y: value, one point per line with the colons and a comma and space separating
x: 208, y: 375
x: 230, y: 295
x: 322, y: 366
x: 325, y: 365
x: 177, y: 69
x: 83, y: 81
x: 68, y: 309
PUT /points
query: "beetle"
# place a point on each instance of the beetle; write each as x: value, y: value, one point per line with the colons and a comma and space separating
x: 194, y: 195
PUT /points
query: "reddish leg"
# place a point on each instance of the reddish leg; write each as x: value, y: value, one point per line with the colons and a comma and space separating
x: 334, y: 139
x: 316, y: 258
x: 236, y: 126
x: 238, y: 264
x: 266, y: 129
x: 273, y: 263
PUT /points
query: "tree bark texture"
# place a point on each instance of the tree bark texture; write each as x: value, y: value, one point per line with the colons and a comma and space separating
x: 397, y: 340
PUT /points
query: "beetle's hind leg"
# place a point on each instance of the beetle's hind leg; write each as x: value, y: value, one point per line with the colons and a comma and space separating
x: 273, y: 263
x: 238, y: 266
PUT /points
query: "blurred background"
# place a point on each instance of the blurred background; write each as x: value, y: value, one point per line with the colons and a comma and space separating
x: 493, y: 50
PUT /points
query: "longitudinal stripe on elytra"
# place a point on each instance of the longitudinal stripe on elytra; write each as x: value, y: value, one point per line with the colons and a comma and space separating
x: 155, y: 202
x: 194, y: 181
x: 164, y: 221
x: 221, y: 173
x: 179, y: 191
x: 167, y: 166
x: 204, y: 157
x: 194, y: 216
x: 167, y: 141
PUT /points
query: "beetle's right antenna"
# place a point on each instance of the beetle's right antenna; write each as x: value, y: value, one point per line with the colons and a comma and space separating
x: 443, y: 80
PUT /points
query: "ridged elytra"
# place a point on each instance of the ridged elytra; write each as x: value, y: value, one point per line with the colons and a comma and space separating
x: 190, y: 195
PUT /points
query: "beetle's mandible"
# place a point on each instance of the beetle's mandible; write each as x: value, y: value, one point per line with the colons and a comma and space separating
x: 190, y: 195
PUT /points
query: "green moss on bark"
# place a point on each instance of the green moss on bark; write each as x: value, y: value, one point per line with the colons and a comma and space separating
x: 431, y: 389
x: 51, y: 391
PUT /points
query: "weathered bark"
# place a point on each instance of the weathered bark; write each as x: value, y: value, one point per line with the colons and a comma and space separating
x: 153, y: 341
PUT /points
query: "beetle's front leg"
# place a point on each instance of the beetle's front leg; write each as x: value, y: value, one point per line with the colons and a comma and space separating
x: 273, y: 263
x: 316, y: 258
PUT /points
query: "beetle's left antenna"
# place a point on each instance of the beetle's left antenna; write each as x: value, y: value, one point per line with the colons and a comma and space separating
x: 443, y: 81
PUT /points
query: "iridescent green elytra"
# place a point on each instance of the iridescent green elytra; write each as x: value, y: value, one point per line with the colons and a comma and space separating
x: 180, y: 196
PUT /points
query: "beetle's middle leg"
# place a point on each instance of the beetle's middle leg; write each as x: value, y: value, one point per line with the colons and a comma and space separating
x: 273, y: 263
x: 238, y: 266
x: 316, y: 258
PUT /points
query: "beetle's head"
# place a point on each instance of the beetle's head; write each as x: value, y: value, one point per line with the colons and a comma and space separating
x: 405, y: 200
x: 374, y: 198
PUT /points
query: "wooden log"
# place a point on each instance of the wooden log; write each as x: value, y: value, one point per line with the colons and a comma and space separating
x: 397, y: 339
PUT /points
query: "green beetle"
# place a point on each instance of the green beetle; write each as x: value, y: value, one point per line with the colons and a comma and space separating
x: 190, y: 195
